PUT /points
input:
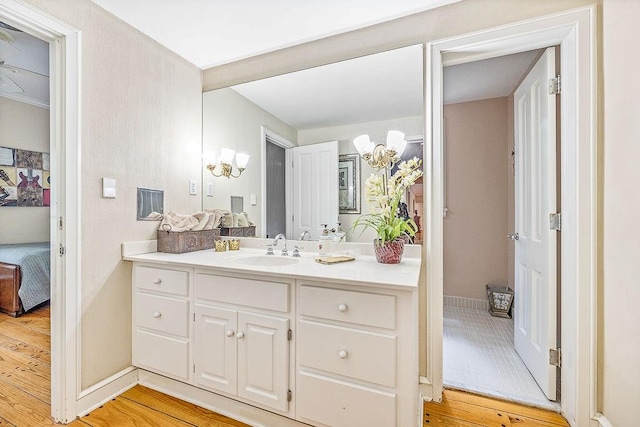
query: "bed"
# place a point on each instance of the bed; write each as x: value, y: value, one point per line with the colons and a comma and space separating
x: 24, y: 276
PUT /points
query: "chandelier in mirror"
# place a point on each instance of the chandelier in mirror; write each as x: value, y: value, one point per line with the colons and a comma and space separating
x: 378, y: 155
x: 223, y: 165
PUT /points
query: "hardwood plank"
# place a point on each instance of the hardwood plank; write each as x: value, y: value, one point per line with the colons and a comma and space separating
x: 178, y: 408
x: 127, y: 413
x: 22, y: 409
x: 26, y: 335
x: 432, y: 419
x: 38, y: 323
x: 509, y: 407
x: 24, y: 350
x: 466, y: 412
x: 29, y: 375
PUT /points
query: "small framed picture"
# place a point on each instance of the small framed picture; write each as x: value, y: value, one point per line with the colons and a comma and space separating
x: 349, y: 184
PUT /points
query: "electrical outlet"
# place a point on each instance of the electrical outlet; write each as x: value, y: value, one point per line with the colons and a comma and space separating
x: 193, y: 189
x: 209, y: 189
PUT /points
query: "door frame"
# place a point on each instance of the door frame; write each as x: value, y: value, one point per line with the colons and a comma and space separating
x: 575, y: 32
x: 287, y: 145
x: 64, y: 77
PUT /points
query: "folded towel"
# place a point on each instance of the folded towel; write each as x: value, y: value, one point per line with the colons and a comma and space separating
x: 174, y: 222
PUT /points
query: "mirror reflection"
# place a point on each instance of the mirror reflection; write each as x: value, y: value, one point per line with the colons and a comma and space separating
x: 294, y: 135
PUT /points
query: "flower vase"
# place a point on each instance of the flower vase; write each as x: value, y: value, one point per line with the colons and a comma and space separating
x: 389, y: 252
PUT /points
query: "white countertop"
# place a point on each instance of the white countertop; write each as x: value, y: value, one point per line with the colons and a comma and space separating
x: 365, y: 270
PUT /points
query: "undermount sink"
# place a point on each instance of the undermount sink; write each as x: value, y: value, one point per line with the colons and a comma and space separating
x: 266, y: 260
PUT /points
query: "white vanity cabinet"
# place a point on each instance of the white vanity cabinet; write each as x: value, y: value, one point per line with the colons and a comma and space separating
x: 161, y: 320
x: 241, y: 337
x: 354, y: 356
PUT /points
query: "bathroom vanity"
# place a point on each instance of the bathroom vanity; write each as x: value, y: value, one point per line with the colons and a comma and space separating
x: 279, y: 341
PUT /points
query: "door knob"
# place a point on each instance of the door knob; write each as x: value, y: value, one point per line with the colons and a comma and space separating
x: 514, y: 236
x: 240, y: 335
x: 342, y: 354
x: 230, y: 333
x: 342, y: 308
x: 157, y: 315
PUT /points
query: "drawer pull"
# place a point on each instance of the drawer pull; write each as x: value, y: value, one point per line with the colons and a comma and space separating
x: 157, y: 315
x: 240, y: 335
x: 230, y: 333
x: 157, y: 281
x: 342, y: 354
x: 342, y: 308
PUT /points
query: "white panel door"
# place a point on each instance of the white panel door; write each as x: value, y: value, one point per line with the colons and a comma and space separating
x: 263, y: 359
x: 215, y: 348
x: 535, y: 249
x: 315, y: 188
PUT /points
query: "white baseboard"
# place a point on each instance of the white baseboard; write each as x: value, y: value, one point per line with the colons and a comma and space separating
x: 239, y: 411
x: 100, y: 393
x: 603, y: 421
x: 478, y: 304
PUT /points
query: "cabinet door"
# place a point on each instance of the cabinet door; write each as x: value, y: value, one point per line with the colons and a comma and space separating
x: 215, y: 348
x: 263, y: 359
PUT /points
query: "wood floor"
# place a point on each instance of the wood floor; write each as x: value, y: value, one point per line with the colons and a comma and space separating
x: 25, y: 384
x: 460, y: 409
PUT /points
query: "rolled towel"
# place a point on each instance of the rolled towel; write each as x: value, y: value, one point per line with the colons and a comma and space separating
x: 203, y: 219
x: 246, y: 215
x: 227, y: 220
x: 175, y: 222
x: 242, y: 220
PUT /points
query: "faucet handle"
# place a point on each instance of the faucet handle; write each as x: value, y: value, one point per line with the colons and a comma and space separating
x: 284, y: 251
x: 269, y: 249
x: 296, y: 251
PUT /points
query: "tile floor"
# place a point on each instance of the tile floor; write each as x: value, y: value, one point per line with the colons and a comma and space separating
x: 479, y: 357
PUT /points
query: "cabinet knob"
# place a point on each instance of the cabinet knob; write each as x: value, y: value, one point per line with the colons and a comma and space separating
x: 157, y: 281
x: 230, y: 333
x: 157, y: 315
x: 240, y: 335
x: 342, y: 308
x: 342, y: 354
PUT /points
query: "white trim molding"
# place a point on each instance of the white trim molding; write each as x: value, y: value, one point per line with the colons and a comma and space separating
x: 574, y: 31
x: 64, y: 76
x: 102, y: 392
x: 602, y: 420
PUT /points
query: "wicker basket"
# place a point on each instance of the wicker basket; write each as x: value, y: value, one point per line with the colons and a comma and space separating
x: 186, y: 241
x: 500, y: 300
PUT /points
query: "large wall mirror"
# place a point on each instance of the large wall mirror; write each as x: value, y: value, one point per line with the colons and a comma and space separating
x: 297, y: 127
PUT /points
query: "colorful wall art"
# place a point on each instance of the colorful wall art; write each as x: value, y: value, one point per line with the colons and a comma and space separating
x: 24, y: 178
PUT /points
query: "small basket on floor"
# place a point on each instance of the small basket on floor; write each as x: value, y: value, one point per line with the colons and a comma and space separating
x: 500, y: 300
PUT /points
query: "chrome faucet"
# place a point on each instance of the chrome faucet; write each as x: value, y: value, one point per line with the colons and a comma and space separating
x: 305, y: 233
x: 284, y: 239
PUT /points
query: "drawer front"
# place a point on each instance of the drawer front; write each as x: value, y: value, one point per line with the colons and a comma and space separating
x: 162, y: 314
x: 362, y: 355
x: 161, y: 280
x: 347, y: 306
x: 161, y: 354
x: 341, y: 404
x: 246, y: 292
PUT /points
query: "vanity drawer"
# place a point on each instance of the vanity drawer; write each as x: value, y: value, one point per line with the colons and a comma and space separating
x: 161, y: 280
x: 348, y: 306
x: 247, y: 292
x: 363, y: 355
x: 159, y: 353
x: 337, y: 403
x: 163, y: 314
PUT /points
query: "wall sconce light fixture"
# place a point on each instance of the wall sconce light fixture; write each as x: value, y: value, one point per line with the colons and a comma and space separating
x: 378, y: 155
x: 224, y: 163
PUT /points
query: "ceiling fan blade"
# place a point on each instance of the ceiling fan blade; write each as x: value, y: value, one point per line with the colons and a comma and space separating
x: 7, y: 85
x: 7, y: 50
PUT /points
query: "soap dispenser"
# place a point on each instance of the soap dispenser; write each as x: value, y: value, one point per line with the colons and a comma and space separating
x: 324, y: 243
x: 338, y: 235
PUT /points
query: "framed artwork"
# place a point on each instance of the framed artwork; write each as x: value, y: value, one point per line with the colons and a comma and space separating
x: 349, y: 184
x: 24, y: 178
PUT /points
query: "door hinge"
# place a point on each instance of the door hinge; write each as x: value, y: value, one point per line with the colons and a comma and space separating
x: 60, y: 223
x: 62, y: 251
x: 289, y: 396
x: 555, y: 85
x: 289, y: 335
x: 555, y: 357
x: 555, y: 221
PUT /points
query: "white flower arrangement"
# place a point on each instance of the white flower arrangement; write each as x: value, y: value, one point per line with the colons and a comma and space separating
x: 383, y: 197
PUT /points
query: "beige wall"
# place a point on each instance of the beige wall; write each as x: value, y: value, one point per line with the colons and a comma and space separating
x: 377, y: 131
x: 141, y: 124
x: 477, y: 195
x: 24, y: 126
x: 230, y: 120
x: 621, y: 291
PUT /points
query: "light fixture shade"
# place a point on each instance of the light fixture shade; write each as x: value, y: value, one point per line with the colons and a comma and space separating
x: 241, y: 160
x: 209, y: 158
x: 396, y: 141
x: 363, y: 144
x: 226, y: 155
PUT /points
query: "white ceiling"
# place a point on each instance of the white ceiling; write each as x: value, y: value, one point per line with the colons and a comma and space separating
x: 28, y: 69
x: 214, y: 32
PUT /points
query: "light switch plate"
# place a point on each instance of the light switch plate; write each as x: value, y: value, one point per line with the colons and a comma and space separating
x: 193, y: 189
x: 209, y: 189
x: 254, y: 200
x: 108, y: 188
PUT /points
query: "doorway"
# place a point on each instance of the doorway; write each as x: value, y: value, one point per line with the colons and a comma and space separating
x: 276, y: 184
x: 573, y: 32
